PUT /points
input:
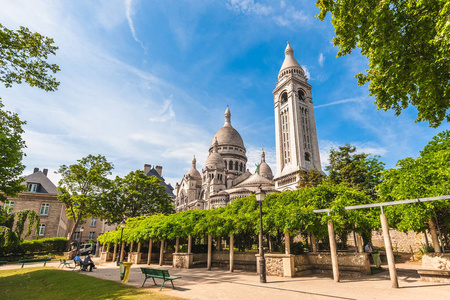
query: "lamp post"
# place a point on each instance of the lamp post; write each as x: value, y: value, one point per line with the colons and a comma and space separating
x: 260, y: 195
x: 81, y: 233
x: 122, y: 225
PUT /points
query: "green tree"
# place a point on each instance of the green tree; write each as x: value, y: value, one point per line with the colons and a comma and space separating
x: 81, y: 186
x: 134, y: 195
x: 23, y: 56
x: 407, y: 45
x: 11, y: 154
x: 359, y: 170
x: 425, y: 176
x: 310, y: 178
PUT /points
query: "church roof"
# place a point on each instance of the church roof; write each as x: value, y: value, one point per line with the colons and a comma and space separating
x: 227, y: 135
x: 193, y: 171
x: 214, y: 159
x: 289, y: 59
x: 255, y: 180
x: 45, y: 185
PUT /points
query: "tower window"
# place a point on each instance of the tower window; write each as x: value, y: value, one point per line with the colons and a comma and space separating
x: 236, y: 167
x: 231, y: 165
x: 284, y: 98
x: 242, y: 166
x: 301, y: 95
x: 307, y: 157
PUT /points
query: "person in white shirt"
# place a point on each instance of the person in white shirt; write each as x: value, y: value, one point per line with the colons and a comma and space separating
x: 368, y: 248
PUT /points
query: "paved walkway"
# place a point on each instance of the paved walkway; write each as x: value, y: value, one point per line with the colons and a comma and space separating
x: 221, y: 284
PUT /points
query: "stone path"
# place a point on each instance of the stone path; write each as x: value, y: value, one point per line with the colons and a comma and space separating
x: 221, y: 284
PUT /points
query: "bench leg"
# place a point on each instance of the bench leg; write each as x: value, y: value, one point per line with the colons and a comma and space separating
x: 22, y: 266
x: 172, y: 284
x: 154, y: 281
x: 44, y: 263
x: 162, y: 284
x: 144, y: 281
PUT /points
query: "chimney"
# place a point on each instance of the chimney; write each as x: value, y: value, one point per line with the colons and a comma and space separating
x: 147, y: 168
x: 159, y: 170
x: 36, y: 170
x: 45, y: 171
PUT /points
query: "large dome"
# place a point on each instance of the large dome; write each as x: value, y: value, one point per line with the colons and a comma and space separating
x: 227, y: 135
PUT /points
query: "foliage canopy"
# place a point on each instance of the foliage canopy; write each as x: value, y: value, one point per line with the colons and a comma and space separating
x: 407, y: 44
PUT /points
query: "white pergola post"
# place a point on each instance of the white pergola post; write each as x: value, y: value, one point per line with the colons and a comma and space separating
x: 161, y: 253
x: 333, y: 250
x: 209, y: 260
x: 150, y: 245
x: 231, y: 252
x: 389, y: 251
x: 287, y: 243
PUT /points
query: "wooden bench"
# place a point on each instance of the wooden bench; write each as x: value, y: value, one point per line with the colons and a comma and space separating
x: 157, y: 273
x: 64, y: 263
x: 3, y: 262
x: 34, y: 260
x: 78, y: 264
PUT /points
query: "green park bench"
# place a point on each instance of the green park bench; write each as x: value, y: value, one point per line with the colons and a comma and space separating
x: 34, y: 260
x: 3, y: 262
x: 64, y: 263
x: 158, y: 273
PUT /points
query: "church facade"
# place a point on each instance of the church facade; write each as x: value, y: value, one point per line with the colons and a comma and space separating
x: 225, y: 176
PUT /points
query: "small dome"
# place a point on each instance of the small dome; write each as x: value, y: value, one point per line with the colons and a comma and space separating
x: 227, y: 135
x: 255, y: 180
x: 215, y: 160
x: 193, y: 171
x: 264, y: 168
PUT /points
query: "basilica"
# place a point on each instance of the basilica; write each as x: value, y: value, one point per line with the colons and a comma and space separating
x: 225, y: 176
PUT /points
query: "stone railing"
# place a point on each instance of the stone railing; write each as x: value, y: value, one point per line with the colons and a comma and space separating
x: 278, y: 264
x: 321, y: 261
x: 106, y: 256
x: 183, y: 260
x: 435, y: 267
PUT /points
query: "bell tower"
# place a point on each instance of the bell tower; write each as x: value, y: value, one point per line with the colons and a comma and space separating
x: 297, y: 147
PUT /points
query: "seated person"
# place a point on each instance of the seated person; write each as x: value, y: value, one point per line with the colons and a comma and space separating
x: 89, y: 263
x: 78, y: 259
x: 368, y: 248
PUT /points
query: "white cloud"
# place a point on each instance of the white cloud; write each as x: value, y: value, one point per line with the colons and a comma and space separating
x: 307, y: 74
x: 321, y: 59
x: 129, y: 12
x: 282, y: 4
x: 357, y: 99
x: 165, y: 114
x: 249, y: 7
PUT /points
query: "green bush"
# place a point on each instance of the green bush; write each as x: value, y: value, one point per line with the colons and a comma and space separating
x: 57, y: 244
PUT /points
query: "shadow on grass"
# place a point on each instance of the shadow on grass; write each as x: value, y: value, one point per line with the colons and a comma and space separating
x: 49, y: 283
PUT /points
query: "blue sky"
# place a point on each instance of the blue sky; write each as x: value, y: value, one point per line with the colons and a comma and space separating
x: 149, y: 81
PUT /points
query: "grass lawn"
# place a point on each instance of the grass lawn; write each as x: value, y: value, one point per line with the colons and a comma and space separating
x: 54, y: 284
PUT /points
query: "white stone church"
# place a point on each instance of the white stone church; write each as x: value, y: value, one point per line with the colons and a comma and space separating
x: 226, y: 177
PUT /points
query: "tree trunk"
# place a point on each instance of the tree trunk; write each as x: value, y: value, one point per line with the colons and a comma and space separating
x: 434, y: 236
x: 71, y: 232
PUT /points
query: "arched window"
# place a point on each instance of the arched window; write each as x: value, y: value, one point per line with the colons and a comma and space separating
x: 242, y: 167
x: 301, y: 95
x: 236, y: 167
x: 284, y: 97
x: 231, y: 165
x: 307, y: 157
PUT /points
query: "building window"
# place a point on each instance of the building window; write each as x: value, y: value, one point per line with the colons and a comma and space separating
x: 284, y: 97
x: 91, y: 235
x: 8, y: 207
x: 44, y: 209
x: 33, y: 187
x: 301, y: 95
x: 231, y: 165
x: 76, y: 236
x: 236, y: 167
x: 41, y: 229
x: 93, y: 222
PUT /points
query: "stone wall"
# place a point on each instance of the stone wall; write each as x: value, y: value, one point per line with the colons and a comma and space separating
x: 321, y: 261
x: 401, y: 242
x: 435, y: 267
x: 106, y: 256
x: 278, y: 264
x: 182, y: 260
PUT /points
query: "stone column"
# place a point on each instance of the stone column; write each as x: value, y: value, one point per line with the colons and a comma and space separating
x: 122, y: 251
x: 287, y: 243
x: 231, y: 253
x: 177, y: 244
x: 138, y: 256
x: 190, y: 244
x: 209, y: 260
x: 313, y: 243
x: 161, y: 253
x: 360, y: 243
x: 389, y: 251
x: 115, y: 252
x: 150, y: 245
x: 333, y: 251
x: 434, y: 236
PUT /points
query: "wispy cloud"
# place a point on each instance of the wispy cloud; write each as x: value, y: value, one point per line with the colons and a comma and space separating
x: 249, y: 7
x: 321, y: 59
x: 358, y: 99
x: 165, y: 114
x: 307, y: 74
x: 129, y: 13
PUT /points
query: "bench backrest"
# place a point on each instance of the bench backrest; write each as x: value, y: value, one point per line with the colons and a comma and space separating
x: 156, y: 272
x: 34, y: 260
